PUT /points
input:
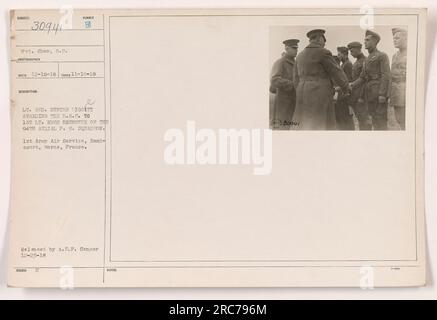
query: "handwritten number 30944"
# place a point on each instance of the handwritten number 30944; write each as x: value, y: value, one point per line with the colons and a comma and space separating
x: 46, y: 26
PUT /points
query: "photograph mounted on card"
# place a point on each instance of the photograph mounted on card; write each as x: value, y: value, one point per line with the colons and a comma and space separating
x: 217, y: 148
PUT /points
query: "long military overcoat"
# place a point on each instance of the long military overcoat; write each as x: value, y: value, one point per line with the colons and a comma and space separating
x: 314, y: 74
x: 285, y: 99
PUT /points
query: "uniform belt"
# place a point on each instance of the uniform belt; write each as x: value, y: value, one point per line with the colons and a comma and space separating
x: 399, y: 79
x: 313, y: 78
x: 374, y: 76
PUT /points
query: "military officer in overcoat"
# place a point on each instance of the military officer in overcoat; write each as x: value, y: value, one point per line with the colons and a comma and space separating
x: 314, y: 76
x: 399, y: 75
x: 376, y: 77
x: 357, y: 101
x: 282, y: 82
x: 343, y: 115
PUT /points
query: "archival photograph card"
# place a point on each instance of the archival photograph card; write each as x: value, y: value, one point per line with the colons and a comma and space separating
x: 217, y: 148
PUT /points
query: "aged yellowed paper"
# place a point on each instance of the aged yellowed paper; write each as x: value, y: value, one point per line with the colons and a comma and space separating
x: 219, y: 148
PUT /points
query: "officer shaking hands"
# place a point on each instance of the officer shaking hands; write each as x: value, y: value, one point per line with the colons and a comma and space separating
x: 376, y: 79
x: 315, y: 73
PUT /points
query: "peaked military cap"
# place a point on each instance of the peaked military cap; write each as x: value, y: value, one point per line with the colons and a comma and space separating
x: 343, y: 49
x: 291, y: 42
x: 354, y: 44
x: 315, y: 32
x: 396, y: 30
x: 373, y: 34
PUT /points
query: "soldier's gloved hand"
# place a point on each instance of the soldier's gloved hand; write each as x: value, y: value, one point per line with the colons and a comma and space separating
x: 382, y: 99
x: 337, y: 89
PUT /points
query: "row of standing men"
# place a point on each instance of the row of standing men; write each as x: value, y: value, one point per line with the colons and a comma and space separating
x: 314, y: 91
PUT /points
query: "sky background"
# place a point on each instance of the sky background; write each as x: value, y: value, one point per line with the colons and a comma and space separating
x: 335, y: 36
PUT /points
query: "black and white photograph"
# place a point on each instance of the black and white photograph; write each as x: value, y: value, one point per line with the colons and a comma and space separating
x: 338, y: 78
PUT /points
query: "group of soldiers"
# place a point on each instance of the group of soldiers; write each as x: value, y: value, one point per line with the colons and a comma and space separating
x: 315, y: 90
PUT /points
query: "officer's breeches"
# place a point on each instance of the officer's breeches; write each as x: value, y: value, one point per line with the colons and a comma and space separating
x: 400, y: 116
x: 362, y: 114
x: 342, y: 116
x: 378, y: 112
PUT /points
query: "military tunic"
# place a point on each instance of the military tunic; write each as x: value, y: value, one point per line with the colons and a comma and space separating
x: 314, y: 74
x: 347, y: 68
x: 357, y: 95
x: 342, y: 114
x: 398, y: 87
x: 285, y: 99
x: 357, y: 92
x: 376, y: 76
